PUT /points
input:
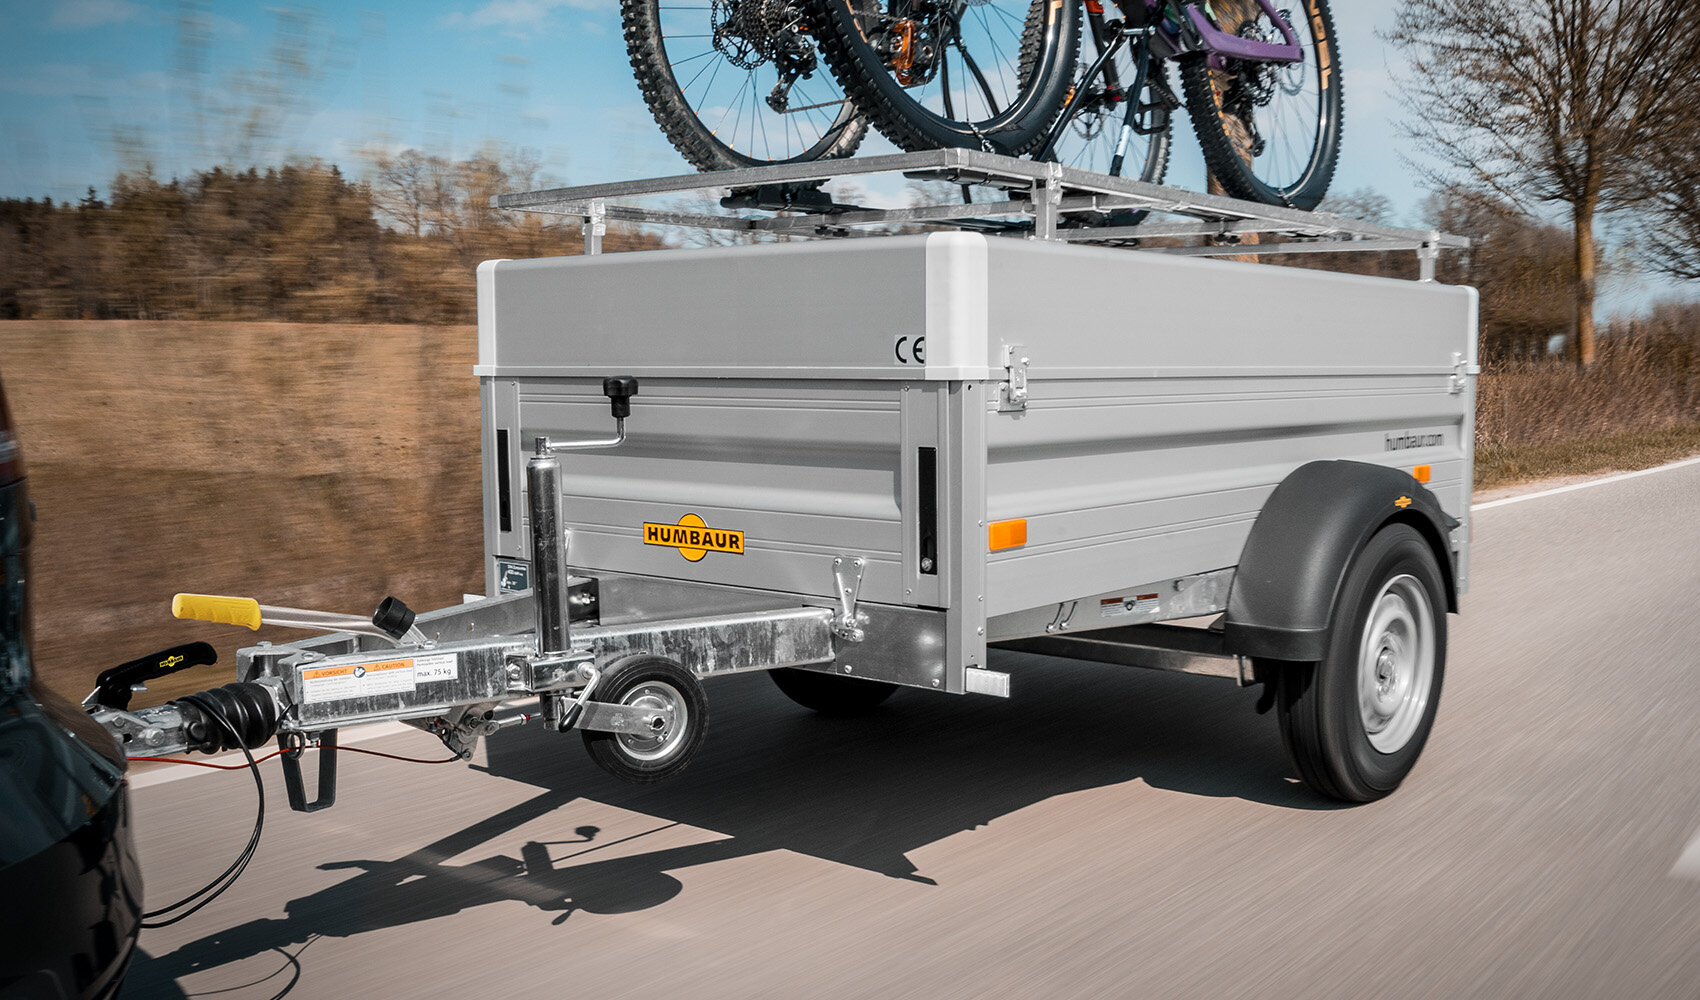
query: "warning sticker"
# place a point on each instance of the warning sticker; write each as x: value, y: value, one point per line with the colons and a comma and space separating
x: 359, y: 680
x: 436, y: 667
x: 1113, y: 607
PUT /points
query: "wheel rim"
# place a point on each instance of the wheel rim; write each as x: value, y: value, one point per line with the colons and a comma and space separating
x: 718, y: 54
x: 1279, y: 113
x: 976, y: 79
x: 1396, y: 663
x: 656, y: 695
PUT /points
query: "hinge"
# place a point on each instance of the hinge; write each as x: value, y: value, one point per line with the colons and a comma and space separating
x: 847, y: 581
x: 1460, y: 371
x: 1012, y: 395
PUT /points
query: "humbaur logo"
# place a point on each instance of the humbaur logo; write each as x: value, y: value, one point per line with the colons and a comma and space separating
x: 1405, y: 441
x: 694, y: 538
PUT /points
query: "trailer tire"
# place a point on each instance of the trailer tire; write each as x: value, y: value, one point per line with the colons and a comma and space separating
x: 831, y: 694
x: 1355, y: 722
x: 653, y: 681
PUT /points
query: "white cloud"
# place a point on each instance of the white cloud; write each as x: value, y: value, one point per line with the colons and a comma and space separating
x: 80, y: 14
x: 521, y: 13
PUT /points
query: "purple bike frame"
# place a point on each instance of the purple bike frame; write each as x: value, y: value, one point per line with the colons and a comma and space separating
x: 1222, y: 45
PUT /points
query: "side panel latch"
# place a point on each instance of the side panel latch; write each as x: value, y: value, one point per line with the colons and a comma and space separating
x: 1012, y: 394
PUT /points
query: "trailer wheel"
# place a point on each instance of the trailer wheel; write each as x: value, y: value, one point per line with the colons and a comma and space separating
x: 653, y: 682
x: 831, y: 694
x: 1355, y: 722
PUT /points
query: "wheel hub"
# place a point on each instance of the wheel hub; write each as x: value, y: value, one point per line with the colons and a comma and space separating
x: 1396, y: 664
x: 665, y: 737
x: 910, y: 49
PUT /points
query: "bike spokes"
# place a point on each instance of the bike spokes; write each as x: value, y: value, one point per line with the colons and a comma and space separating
x: 981, y: 73
x: 1270, y: 130
x: 738, y: 83
x: 1117, y: 121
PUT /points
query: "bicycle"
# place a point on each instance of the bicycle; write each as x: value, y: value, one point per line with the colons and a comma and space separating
x: 1262, y: 86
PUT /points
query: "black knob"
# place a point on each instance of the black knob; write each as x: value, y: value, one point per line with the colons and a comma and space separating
x: 393, y: 617
x: 620, y: 389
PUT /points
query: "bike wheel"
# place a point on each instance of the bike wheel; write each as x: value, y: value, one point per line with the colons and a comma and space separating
x: 707, y: 69
x: 1089, y: 139
x: 986, y: 74
x: 1270, y: 131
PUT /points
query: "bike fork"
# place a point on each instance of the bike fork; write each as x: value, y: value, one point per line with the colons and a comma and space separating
x: 1046, y: 151
x: 1141, y: 64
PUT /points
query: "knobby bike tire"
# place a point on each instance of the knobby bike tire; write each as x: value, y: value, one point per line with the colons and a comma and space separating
x: 1044, y: 48
x: 696, y: 140
x: 1276, y: 177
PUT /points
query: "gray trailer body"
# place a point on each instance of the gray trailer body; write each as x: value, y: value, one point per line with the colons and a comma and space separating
x: 877, y: 460
x: 849, y: 416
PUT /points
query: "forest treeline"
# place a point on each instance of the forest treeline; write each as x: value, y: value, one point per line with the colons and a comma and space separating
x: 300, y: 242
x: 303, y: 242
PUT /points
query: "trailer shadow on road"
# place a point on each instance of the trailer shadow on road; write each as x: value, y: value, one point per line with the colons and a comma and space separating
x: 774, y: 777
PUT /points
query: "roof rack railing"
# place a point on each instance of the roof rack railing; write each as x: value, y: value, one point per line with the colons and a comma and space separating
x: 1039, y: 200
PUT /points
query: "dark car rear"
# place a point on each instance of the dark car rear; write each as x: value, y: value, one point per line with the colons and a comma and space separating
x: 68, y: 880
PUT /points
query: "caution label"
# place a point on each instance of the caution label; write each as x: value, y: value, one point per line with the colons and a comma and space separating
x: 358, y: 680
x: 694, y: 538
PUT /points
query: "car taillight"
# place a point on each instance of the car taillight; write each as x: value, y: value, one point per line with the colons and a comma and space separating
x: 11, y: 458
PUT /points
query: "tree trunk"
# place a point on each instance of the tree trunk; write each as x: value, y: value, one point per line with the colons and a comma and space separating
x: 1582, y: 350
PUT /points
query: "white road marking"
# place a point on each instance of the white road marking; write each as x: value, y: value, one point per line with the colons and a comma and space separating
x: 177, y: 772
x: 1582, y: 486
x: 1688, y: 866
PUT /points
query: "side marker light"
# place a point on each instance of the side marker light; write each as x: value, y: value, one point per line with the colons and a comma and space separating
x: 1006, y: 534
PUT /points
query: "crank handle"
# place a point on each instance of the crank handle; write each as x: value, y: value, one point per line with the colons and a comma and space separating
x: 619, y: 390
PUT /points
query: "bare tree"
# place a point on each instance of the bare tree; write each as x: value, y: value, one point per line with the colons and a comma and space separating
x: 1671, y: 239
x: 1552, y: 101
x: 414, y: 190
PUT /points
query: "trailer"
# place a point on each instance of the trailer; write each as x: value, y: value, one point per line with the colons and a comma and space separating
x: 864, y: 465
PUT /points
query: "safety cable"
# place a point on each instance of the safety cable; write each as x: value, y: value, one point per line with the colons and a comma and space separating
x: 228, y: 877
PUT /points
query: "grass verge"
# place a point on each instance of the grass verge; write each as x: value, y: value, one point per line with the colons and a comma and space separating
x: 1508, y: 464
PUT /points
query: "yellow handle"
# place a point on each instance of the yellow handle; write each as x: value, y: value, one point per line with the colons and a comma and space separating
x: 224, y: 610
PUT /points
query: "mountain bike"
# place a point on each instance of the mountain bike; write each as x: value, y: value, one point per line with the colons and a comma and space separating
x: 1262, y: 87
x: 1262, y: 84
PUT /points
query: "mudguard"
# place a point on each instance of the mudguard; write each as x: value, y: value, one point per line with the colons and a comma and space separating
x: 1304, y: 540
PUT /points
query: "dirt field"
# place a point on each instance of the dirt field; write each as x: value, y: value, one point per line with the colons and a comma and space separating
x: 316, y: 466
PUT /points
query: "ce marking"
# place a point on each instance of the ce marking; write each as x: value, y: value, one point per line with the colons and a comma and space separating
x: 910, y: 350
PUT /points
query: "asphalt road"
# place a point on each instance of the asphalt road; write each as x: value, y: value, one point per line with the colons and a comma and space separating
x: 1103, y: 833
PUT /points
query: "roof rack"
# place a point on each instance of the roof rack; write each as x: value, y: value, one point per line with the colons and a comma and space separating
x: 1040, y: 200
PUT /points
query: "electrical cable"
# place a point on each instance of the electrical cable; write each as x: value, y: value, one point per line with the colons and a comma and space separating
x: 212, y: 890
x: 218, y: 710
x: 276, y: 753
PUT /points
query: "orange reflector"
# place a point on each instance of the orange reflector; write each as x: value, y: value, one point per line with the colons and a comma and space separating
x: 1007, y: 534
x: 1421, y: 473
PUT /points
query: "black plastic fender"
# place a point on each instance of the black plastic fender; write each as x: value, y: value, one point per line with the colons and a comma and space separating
x: 1315, y: 522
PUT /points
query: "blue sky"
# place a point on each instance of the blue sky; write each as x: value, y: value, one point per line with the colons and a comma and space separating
x: 89, y: 87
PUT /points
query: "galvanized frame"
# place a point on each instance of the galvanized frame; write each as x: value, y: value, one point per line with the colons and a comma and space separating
x: 1042, y: 194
